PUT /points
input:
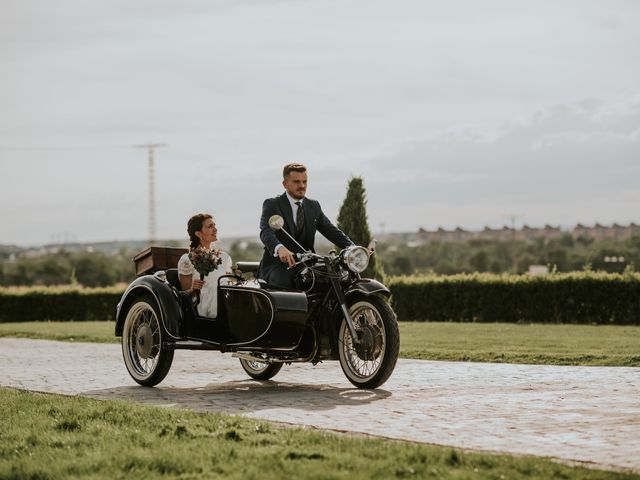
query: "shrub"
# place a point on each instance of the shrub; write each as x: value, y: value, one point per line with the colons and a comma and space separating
x: 584, y: 297
x: 62, y: 304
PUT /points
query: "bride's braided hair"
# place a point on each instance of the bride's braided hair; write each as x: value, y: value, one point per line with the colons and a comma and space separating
x: 195, y: 225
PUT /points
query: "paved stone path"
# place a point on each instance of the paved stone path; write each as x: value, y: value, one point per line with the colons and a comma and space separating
x: 586, y: 414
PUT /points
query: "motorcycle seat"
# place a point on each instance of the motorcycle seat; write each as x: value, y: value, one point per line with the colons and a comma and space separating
x: 248, y: 266
x: 172, y: 277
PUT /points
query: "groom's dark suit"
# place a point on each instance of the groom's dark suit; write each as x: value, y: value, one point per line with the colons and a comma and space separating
x: 272, y: 270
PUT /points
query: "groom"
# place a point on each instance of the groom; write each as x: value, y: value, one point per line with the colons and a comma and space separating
x: 302, y: 218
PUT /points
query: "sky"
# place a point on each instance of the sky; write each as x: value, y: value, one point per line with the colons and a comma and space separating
x: 457, y: 113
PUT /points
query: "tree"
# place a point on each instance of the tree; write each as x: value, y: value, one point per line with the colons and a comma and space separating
x: 352, y: 220
x: 479, y: 261
x: 95, y: 269
x: 402, y: 266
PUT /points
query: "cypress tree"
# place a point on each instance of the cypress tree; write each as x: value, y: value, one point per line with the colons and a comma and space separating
x: 352, y: 220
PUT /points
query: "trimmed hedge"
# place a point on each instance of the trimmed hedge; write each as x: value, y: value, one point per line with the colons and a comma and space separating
x: 61, y: 304
x: 592, y: 298
x: 585, y: 297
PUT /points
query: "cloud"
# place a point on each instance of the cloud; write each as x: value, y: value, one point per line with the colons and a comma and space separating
x: 237, y: 88
x: 561, y: 160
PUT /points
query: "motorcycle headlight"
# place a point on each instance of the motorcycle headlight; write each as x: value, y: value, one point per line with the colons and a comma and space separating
x: 356, y: 259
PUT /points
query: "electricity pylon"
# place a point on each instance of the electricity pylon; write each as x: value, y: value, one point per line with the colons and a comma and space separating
x: 152, y: 189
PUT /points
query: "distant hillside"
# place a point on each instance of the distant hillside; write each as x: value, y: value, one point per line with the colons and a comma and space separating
x: 117, y: 247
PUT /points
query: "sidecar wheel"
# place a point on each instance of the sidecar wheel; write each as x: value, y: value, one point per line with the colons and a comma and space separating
x: 369, y: 363
x: 146, y: 356
x: 259, y: 370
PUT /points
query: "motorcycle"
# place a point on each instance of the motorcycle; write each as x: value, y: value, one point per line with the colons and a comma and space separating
x: 333, y: 315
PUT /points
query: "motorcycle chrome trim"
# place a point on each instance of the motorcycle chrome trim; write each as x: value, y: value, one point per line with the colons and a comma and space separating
x: 271, y: 360
x: 347, y: 317
x: 247, y: 267
x: 350, y: 258
x: 161, y: 275
x: 253, y: 358
x: 233, y: 276
x: 342, y: 300
x: 305, y: 274
x: 276, y: 222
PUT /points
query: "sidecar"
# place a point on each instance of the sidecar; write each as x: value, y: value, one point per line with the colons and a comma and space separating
x: 154, y: 318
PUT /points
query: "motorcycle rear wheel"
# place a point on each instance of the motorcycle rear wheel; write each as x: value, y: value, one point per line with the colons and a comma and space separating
x: 146, y: 356
x: 260, y: 371
x: 371, y: 362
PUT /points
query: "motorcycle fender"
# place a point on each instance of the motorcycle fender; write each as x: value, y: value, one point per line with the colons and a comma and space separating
x: 367, y: 286
x: 166, y: 298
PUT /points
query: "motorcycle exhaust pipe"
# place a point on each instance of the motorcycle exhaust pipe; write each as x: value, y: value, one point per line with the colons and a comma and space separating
x: 252, y: 358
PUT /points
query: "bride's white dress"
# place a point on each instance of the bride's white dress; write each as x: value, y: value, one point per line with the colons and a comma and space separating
x: 208, y: 306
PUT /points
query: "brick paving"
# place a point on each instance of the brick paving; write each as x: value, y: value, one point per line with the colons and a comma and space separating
x: 584, y: 414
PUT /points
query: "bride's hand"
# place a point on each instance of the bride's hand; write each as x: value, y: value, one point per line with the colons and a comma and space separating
x: 197, y: 284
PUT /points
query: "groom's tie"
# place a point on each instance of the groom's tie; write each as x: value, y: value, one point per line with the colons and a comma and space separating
x: 299, y: 219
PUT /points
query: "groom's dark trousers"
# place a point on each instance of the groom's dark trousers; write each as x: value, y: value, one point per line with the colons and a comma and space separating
x: 272, y: 270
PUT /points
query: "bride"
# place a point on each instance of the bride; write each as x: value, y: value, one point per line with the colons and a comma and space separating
x: 202, y: 233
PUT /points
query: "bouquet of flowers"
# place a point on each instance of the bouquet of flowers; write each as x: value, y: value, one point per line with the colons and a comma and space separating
x: 205, y: 261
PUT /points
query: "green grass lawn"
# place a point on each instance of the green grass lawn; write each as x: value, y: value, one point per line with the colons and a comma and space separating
x: 50, y: 436
x: 522, y: 343
x: 478, y: 342
x: 100, y: 332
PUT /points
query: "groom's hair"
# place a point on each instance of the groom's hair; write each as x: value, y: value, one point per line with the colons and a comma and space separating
x: 293, y: 167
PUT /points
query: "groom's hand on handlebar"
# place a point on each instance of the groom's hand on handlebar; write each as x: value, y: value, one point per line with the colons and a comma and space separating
x: 286, y: 256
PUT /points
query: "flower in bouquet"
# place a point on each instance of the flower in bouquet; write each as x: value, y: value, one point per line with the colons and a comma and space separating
x: 205, y: 260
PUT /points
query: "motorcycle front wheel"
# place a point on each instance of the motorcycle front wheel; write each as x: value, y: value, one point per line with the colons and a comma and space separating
x: 146, y: 357
x: 260, y: 371
x: 369, y: 362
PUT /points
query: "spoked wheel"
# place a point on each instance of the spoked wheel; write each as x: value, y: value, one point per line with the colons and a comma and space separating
x: 259, y: 370
x: 146, y: 357
x: 369, y: 362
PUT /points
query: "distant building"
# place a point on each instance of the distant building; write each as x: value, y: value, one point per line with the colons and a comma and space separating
x: 537, y: 270
x: 601, y: 232
x: 526, y: 233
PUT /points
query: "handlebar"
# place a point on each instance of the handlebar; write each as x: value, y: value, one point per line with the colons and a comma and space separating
x: 303, y: 257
